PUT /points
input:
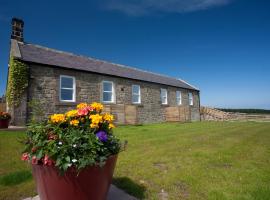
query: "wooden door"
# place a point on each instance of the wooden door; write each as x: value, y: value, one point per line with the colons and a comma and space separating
x: 131, y: 114
x: 172, y: 114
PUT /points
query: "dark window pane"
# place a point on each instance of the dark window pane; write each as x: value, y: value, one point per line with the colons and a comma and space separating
x: 136, y: 89
x: 135, y: 99
x: 107, y: 86
x: 66, y: 82
x: 66, y: 94
x: 178, y: 94
x: 107, y: 96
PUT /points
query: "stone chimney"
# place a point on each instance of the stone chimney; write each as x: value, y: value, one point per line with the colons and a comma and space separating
x: 17, y: 29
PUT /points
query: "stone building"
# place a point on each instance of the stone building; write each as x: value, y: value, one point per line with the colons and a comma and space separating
x: 60, y: 80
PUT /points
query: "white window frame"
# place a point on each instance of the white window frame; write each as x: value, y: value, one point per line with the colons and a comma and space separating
x: 113, y: 92
x: 190, y: 99
x: 179, y: 97
x: 137, y: 94
x: 73, y: 88
x: 166, y: 95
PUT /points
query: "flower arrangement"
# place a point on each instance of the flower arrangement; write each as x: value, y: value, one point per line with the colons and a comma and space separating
x: 5, y: 116
x: 79, y: 138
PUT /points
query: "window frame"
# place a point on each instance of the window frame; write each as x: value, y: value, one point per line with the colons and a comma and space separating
x: 113, y: 92
x: 73, y: 88
x: 161, y: 97
x: 178, y: 98
x: 190, y: 99
x: 137, y: 94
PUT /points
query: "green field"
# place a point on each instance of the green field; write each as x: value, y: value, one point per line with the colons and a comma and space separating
x: 207, y: 160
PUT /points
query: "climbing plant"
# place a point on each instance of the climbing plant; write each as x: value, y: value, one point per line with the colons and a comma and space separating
x: 17, y: 81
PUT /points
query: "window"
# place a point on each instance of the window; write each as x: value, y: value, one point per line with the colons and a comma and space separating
x: 178, y: 97
x: 108, y: 92
x: 67, y: 88
x: 190, y: 98
x: 163, y: 96
x: 136, y: 94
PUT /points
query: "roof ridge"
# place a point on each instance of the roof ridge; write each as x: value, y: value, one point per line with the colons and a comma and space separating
x: 108, y: 62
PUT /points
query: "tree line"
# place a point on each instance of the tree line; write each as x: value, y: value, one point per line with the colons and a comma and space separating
x: 248, y: 111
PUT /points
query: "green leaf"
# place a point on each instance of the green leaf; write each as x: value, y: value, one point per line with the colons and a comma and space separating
x: 68, y: 159
x: 17, y: 81
x: 65, y: 166
x: 58, y: 161
x: 40, y: 154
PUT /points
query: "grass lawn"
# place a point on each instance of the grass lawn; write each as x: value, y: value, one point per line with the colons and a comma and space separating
x: 207, y: 160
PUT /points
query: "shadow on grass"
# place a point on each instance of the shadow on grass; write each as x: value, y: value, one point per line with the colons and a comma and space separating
x: 130, y: 187
x: 15, y: 178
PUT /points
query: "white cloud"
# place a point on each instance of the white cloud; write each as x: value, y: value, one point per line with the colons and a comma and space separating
x: 144, y: 7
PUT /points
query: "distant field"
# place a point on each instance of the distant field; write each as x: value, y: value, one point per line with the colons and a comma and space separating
x: 203, y: 160
x: 248, y: 111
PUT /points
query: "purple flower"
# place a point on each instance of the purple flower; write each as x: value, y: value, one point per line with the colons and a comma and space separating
x: 102, y: 136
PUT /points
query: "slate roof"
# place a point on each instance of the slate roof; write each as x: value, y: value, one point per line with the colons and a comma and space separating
x: 38, y: 54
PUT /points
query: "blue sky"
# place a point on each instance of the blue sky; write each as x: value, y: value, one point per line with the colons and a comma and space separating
x: 220, y: 46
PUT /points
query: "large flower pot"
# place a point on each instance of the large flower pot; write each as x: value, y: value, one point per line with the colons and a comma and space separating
x: 4, y: 123
x: 92, y: 183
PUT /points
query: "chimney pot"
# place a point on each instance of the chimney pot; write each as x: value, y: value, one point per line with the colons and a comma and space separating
x: 17, y: 29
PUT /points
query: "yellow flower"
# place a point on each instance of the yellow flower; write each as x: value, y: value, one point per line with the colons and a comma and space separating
x: 108, y: 117
x: 74, y: 122
x: 57, y: 118
x: 72, y: 113
x: 111, y: 126
x: 93, y: 125
x: 97, y: 106
x: 96, y: 119
x: 82, y: 105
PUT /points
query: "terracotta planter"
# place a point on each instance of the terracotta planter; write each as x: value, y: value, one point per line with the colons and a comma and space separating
x: 92, y: 183
x: 4, y: 123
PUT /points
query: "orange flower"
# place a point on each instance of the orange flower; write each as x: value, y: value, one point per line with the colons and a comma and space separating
x: 72, y: 113
x: 58, y: 118
x: 82, y: 105
x: 93, y: 125
x: 74, y: 122
x: 108, y: 117
x: 96, y: 119
x: 97, y: 106
x: 111, y: 126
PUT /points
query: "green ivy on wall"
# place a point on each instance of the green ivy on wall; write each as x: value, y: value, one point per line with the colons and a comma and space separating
x: 17, y: 81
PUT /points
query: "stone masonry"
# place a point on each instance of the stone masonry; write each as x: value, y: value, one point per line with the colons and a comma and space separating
x: 44, y: 86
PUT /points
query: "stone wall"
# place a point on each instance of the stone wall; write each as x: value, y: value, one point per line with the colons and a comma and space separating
x: 44, y: 86
x: 19, y: 113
